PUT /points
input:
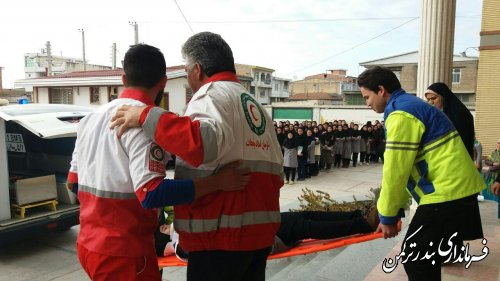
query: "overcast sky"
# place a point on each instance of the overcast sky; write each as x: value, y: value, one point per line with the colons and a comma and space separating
x: 296, y: 38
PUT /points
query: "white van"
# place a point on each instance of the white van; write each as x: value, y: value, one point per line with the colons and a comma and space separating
x: 36, y: 144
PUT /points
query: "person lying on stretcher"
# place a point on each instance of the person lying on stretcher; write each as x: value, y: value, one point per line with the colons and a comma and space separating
x: 295, y: 226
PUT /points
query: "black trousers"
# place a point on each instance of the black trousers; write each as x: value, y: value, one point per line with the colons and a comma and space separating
x: 302, y: 170
x: 436, y: 222
x: 338, y: 159
x: 313, y: 169
x: 324, y: 166
x: 289, y: 170
x: 362, y: 157
x: 227, y: 265
x: 296, y: 226
x: 354, y: 159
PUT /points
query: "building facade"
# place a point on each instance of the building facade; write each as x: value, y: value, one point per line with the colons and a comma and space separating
x: 488, y: 97
x: 322, y: 83
x: 280, y: 89
x: 95, y: 88
x: 261, y: 86
x: 36, y: 65
x: 405, y: 66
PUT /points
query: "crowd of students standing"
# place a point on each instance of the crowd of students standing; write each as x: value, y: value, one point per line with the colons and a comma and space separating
x: 309, y: 148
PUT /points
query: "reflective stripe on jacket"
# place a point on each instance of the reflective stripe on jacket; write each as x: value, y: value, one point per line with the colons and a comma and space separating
x: 424, y: 157
x: 232, y: 126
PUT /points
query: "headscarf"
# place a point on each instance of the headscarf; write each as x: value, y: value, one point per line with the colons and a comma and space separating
x: 309, y: 139
x: 458, y: 113
x: 364, y: 134
x: 289, y: 143
x: 356, y: 133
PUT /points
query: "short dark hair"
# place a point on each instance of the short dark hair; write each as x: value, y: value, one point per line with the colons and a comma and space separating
x: 210, y: 51
x: 144, y: 66
x: 379, y: 76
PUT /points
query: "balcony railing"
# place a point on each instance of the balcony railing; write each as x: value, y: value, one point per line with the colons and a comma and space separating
x: 265, y: 83
x: 280, y: 94
x: 350, y: 87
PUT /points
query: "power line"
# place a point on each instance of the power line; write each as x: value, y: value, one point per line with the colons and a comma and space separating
x: 302, y: 20
x: 353, y: 47
x: 307, y: 20
x: 185, y: 19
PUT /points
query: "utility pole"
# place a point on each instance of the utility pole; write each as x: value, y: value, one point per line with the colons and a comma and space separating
x: 83, y: 48
x: 113, y: 55
x: 49, y: 59
x: 136, y: 31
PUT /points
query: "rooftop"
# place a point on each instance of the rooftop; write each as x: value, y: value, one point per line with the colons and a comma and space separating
x: 409, y: 58
x: 315, y: 96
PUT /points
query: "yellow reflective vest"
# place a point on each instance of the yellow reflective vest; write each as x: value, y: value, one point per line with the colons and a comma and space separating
x: 424, y: 158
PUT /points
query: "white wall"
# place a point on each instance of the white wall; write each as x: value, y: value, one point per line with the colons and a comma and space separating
x: 81, y: 96
x: 43, y: 95
x: 269, y: 109
x: 103, y: 95
x: 177, y: 94
x: 263, y: 100
x: 356, y: 115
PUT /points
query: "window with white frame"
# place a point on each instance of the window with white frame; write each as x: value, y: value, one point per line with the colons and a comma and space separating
x: 455, y: 76
x: 276, y: 86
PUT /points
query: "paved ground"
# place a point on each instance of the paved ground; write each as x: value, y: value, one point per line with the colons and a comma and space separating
x: 53, y: 257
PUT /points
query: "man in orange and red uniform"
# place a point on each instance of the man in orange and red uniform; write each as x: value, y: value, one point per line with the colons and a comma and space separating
x: 120, y: 182
x: 228, y: 235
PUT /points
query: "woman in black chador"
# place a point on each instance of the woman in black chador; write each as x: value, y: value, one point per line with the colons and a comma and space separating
x: 327, y: 143
x: 363, y: 146
x: 346, y: 152
x: 339, y: 138
x: 356, y: 144
x: 439, y: 95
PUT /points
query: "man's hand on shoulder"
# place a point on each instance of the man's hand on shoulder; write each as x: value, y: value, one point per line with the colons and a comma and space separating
x: 127, y: 117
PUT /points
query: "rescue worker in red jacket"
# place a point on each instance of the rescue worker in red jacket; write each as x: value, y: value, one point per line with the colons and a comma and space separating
x: 120, y: 182
x: 228, y: 235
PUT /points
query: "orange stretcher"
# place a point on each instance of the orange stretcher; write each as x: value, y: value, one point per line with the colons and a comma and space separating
x: 305, y: 247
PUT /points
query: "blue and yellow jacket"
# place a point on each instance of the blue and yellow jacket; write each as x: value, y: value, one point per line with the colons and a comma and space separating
x: 424, y: 158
